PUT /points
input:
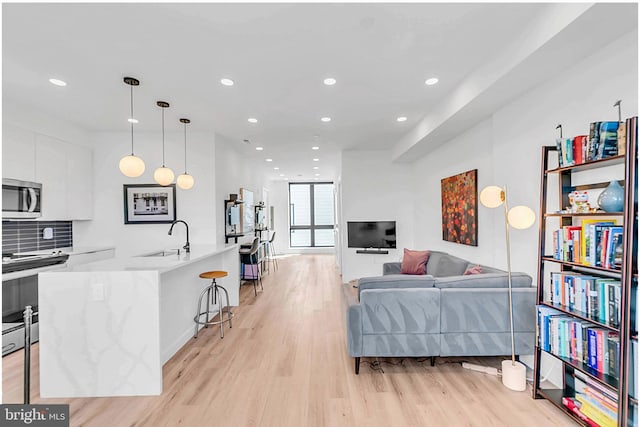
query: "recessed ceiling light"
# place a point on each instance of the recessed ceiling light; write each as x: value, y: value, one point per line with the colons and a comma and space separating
x: 259, y: 148
x: 401, y: 119
x: 326, y: 119
x: 315, y: 148
x: 276, y: 168
x: 316, y: 160
x: 57, y: 82
x: 268, y: 160
x: 317, y: 174
x: 431, y: 81
x: 316, y: 168
x: 329, y: 81
x: 226, y: 82
x: 281, y: 174
x: 132, y: 120
x: 252, y: 120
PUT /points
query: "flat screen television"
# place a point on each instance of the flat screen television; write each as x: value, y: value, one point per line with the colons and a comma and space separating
x: 371, y: 234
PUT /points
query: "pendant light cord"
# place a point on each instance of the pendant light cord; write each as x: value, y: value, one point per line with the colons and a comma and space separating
x: 185, y: 148
x: 162, y: 136
x: 131, y: 119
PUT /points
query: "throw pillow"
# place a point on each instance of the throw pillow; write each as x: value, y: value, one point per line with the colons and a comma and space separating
x: 473, y: 269
x: 414, y: 262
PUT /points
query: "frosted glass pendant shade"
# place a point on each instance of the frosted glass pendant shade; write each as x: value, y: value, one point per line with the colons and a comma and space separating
x: 163, y: 176
x: 492, y: 196
x: 185, y: 181
x: 131, y: 166
x: 521, y: 217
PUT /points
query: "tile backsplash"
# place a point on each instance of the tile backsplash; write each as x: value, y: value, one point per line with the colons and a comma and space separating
x: 25, y: 236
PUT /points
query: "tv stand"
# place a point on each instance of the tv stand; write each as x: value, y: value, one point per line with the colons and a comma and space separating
x: 372, y: 251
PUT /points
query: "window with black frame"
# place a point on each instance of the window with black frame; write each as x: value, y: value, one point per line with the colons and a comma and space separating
x: 311, y: 215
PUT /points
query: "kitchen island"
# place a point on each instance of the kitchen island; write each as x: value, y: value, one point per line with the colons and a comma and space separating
x: 107, y: 327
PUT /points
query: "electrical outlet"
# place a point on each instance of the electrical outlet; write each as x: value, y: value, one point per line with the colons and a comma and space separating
x: 97, y: 290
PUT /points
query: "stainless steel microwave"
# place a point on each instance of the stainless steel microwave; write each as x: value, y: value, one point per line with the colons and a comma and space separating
x: 21, y: 199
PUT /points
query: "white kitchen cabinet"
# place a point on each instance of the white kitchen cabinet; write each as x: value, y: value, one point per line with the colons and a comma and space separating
x: 65, y: 171
x: 18, y: 153
x: 79, y: 182
x: 51, y: 171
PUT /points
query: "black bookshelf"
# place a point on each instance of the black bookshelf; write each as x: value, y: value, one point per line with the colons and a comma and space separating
x: 626, y: 273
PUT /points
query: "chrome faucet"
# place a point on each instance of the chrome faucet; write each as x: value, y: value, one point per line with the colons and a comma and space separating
x: 186, y: 247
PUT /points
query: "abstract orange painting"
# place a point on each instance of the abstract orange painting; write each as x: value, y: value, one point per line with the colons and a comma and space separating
x: 460, y: 208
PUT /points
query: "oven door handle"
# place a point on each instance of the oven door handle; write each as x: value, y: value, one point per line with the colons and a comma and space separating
x: 33, y: 199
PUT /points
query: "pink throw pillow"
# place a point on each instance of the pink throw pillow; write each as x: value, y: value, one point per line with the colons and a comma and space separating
x: 414, y: 262
x: 473, y: 269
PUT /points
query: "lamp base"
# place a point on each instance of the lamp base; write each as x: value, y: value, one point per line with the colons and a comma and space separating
x: 514, y: 376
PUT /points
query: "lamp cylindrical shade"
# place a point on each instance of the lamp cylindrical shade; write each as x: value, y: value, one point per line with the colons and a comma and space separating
x: 521, y: 217
x: 131, y: 166
x: 185, y: 181
x: 492, y: 196
x: 163, y: 176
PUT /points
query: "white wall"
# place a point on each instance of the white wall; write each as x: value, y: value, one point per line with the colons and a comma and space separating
x: 505, y: 148
x: 470, y: 150
x: 374, y: 189
x: 233, y: 171
x: 195, y: 206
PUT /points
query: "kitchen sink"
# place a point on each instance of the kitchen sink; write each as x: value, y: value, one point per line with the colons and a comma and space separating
x: 166, y: 252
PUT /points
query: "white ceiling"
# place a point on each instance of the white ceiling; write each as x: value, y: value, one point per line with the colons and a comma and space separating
x: 277, y: 54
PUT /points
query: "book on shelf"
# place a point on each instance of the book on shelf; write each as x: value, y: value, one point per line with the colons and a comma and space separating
x: 595, y: 297
x: 578, y: 340
x: 592, y: 243
x: 572, y: 405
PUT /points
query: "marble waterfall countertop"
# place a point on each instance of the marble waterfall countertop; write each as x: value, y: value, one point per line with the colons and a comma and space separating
x: 154, y: 261
x: 108, y: 326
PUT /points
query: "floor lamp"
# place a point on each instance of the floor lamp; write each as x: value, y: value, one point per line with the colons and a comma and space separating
x: 514, y: 374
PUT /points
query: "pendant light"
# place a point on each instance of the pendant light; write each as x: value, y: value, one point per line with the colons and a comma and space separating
x: 185, y: 181
x: 131, y: 165
x: 163, y: 175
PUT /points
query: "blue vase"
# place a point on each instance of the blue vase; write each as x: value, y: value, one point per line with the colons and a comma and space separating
x: 612, y: 198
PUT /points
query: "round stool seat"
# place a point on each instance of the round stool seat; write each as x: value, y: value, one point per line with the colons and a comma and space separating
x: 213, y: 274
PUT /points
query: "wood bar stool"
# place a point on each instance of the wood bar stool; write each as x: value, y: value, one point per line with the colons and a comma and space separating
x: 213, y: 296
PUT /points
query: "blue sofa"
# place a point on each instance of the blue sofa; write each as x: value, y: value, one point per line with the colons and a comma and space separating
x: 443, y: 313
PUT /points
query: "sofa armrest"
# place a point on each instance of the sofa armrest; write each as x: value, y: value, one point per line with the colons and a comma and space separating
x: 394, y: 281
x: 391, y: 268
x: 484, y: 280
x: 400, y: 311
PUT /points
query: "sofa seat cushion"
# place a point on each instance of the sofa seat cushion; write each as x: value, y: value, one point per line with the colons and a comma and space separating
x: 485, y: 280
x: 395, y: 281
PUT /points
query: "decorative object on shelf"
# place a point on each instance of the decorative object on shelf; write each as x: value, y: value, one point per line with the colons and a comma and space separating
x: 579, y: 201
x: 460, y: 208
x: 612, y: 198
x: 514, y: 374
x: 163, y: 175
x: 149, y: 204
x: 185, y: 181
x: 131, y: 165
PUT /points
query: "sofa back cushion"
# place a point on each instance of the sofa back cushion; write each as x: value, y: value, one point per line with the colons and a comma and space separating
x: 414, y: 262
x: 441, y: 264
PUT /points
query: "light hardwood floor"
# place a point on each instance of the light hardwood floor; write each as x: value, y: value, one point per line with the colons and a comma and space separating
x: 284, y: 363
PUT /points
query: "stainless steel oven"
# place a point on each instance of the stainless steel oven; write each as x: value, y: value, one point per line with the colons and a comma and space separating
x: 16, y: 295
x: 21, y: 199
x: 20, y: 289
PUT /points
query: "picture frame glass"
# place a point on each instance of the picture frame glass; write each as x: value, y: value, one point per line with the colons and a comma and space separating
x: 149, y: 204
